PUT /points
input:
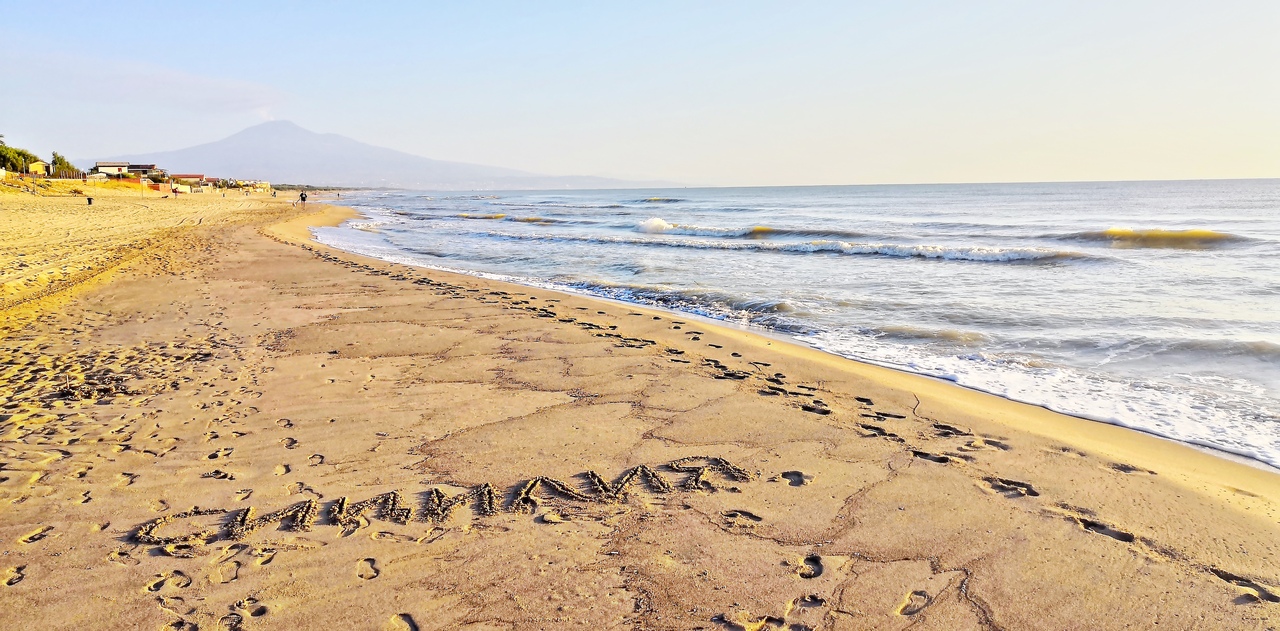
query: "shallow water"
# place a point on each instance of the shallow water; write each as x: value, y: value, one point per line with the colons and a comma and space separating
x: 1153, y: 305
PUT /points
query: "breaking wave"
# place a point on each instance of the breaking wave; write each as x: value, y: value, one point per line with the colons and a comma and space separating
x: 773, y: 314
x: 657, y: 200
x: 943, y: 252
x: 505, y: 217
x: 656, y: 225
x: 1192, y: 239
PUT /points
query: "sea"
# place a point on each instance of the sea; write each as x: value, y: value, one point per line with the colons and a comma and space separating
x: 1150, y: 305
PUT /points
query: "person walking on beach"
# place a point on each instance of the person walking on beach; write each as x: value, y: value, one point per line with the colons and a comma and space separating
x: 302, y: 197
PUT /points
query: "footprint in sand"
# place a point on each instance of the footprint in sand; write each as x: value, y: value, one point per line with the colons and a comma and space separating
x: 316, y: 460
x: 282, y: 469
x: 285, y: 423
x: 243, y: 494
x: 221, y: 453
x: 175, y: 579
x: 251, y: 606
x: 289, y: 443
x: 231, y: 622
x: 16, y: 574
x: 1103, y: 529
x: 914, y: 603
x: 264, y: 556
x: 401, y: 622
x: 924, y: 455
x: 1256, y: 591
x: 37, y: 535
x: 391, y: 536
x: 796, y: 478
x: 367, y: 569
x: 126, y: 479
x: 812, y: 567
x: 299, y: 487
x: 950, y: 431
x: 1011, y: 488
x: 175, y: 605
x: 740, y: 518
x: 226, y: 572
x: 122, y: 557
x: 183, y: 550
x: 979, y: 444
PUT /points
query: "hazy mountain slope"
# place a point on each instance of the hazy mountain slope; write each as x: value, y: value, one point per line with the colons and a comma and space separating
x: 283, y: 152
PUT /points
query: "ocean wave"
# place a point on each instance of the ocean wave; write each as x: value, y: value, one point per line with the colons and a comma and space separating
x: 778, y: 315
x: 554, y: 204
x: 1191, y: 239
x: 954, y: 336
x: 368, y: 226
x: 657, y: 225
x: 537, y: 220
x: 943, y: 252
x: 481, y: 216
x: 656, y: 200
x: 1207, y: 349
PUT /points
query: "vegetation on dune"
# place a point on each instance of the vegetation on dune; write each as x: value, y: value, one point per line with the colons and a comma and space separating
x: 15, y: 159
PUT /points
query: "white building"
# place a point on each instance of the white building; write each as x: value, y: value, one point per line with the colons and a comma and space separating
x: 111, y: 168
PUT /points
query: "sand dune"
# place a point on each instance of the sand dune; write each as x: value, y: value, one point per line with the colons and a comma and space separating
x: 215, y: 424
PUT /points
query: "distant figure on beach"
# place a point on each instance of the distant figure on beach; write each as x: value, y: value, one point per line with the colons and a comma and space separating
x: 302, y: 197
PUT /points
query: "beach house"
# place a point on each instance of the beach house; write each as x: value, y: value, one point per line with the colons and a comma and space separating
x: 188, y: 182
x: 111, y: 168
x: 145, y: 170
x: 39, y: 167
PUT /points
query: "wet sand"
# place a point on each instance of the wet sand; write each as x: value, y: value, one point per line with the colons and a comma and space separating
x: 223, y: 425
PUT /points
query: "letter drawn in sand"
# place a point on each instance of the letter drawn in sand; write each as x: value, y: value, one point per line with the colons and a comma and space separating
x: 697, y: 479
x: 437, y: 506
x: 391, y: 507
x: 301, y: 516
x: 146, y: 533
x: 618, y: 490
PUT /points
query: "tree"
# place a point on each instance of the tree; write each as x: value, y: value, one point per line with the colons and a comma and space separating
x: 15, y: 159
x: 61, y: 167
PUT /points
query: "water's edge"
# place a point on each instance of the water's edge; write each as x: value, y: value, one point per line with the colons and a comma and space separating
x: 802, y: 340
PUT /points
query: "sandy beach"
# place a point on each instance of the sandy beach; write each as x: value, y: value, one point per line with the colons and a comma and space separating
x: 208, y: 421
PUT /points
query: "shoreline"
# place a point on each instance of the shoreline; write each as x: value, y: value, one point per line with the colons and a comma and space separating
x: 793, y: 339
x: 375, y: 445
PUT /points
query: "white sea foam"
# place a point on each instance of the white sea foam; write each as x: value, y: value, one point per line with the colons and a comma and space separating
x: 1219, y: 413
x: 951, y: 253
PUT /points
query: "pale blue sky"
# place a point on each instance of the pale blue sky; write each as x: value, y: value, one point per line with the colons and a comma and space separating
x: 722, y: 93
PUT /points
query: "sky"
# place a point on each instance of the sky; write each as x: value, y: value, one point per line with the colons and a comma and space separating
x: 704, y: 93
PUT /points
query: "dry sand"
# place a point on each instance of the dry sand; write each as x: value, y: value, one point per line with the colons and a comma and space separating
x: 373, y: 446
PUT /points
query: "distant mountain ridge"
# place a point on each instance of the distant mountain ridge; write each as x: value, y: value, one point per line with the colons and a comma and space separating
x: 282, y: 152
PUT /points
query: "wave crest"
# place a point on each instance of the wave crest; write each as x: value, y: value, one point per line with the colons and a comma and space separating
x: 1193, y: 239
x: 944, y: 252
x: 657, y: 225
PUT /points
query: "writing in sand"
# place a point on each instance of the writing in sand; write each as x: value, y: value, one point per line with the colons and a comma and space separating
x: 436, y: 505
